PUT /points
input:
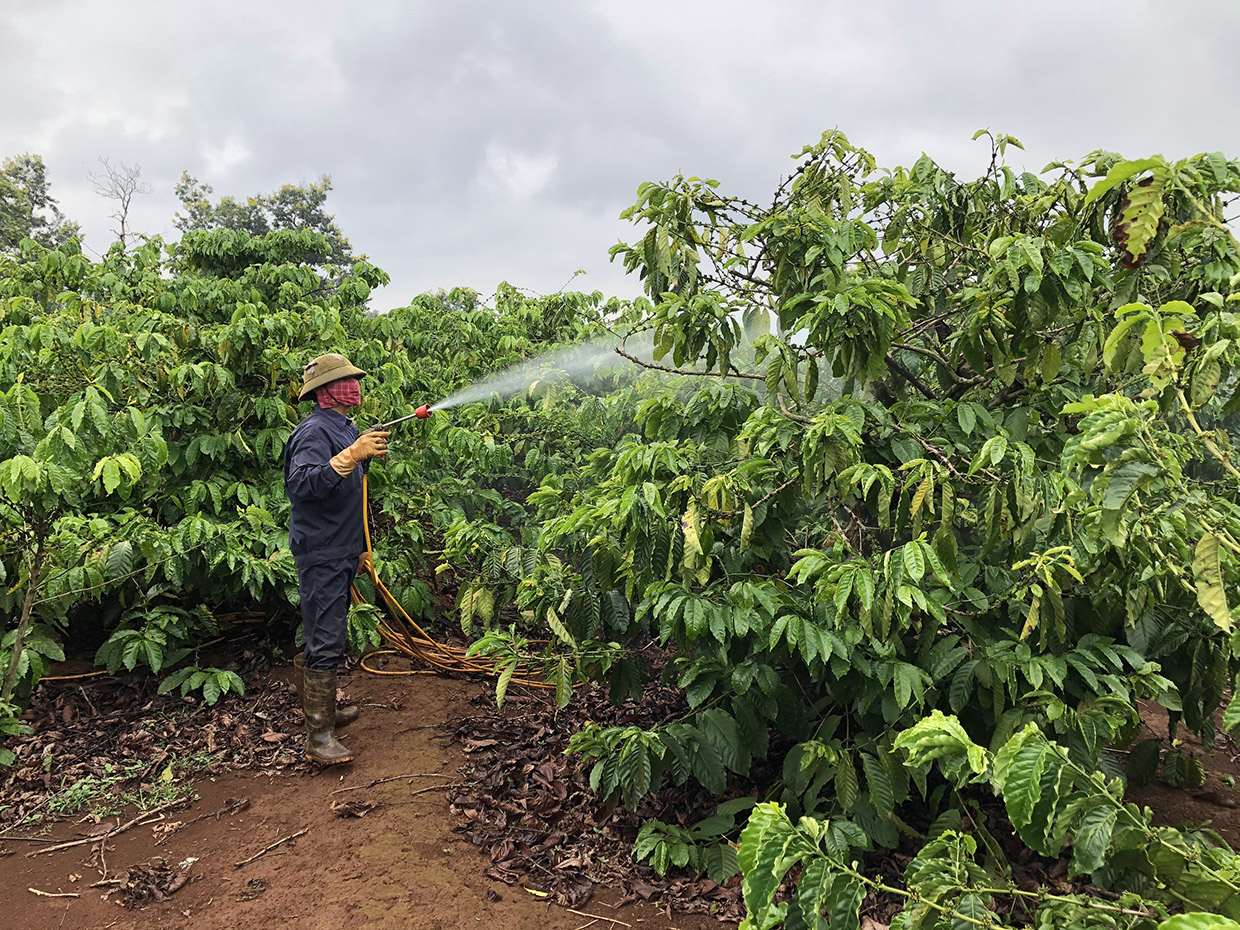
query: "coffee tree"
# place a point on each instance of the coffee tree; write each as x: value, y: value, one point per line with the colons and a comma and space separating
x: 963, y: 454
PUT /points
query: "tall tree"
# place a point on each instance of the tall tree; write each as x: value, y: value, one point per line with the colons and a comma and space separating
x: 121, y: 183
x: 293, y: 206
x: 27, y: 209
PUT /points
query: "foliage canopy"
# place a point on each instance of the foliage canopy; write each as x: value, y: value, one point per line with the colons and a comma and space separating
x: 27, y: 208
x: 291, y: 207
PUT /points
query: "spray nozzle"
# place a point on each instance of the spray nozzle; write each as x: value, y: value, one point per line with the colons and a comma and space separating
x: 423, y: 412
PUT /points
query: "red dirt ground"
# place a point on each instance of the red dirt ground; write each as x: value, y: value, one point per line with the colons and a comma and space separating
x: 1216, y: 804
x: 398, y: 866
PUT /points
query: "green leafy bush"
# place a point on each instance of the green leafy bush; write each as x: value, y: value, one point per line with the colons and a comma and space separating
x: 700, y: 848
x: 214, y: 683
x: 145, y: 401
x: 969, y: 452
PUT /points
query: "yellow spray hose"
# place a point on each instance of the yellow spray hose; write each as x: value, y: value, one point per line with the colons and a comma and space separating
x: 413, y: 641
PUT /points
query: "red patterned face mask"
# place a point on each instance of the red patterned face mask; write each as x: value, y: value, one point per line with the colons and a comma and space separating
x: 344, y: 393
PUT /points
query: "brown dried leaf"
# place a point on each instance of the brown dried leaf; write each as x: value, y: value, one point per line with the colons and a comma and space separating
x: 352, y: 808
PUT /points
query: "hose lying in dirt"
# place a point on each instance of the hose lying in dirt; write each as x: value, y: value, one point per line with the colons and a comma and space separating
x: 408, y: 638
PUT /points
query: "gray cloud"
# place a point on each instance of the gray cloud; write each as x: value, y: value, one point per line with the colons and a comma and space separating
x: 478, y: 141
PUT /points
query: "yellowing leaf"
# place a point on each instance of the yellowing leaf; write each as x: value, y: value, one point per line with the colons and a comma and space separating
x: 1031, y: 619
x: 111, y: 475
x: 1205, y: 382
x: 559, y: 629
x: 1208, y: 577
x: 1142, y: 213
x: 484, y: 604
x: 919, y: 496
x: 746, y: 528
x: 914, y: 561
x: 696, y: 562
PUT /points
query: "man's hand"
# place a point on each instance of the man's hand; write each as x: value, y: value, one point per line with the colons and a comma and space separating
x: 367, y: 446
x: 364, y: 563
x: 370, y: 445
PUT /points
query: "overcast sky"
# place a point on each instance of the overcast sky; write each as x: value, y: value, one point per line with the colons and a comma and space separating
x: 473, y: 142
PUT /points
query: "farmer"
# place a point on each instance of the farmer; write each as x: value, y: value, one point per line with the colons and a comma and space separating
x: 326, y: 536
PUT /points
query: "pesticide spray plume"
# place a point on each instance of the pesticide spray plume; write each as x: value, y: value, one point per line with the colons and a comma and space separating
x: 591, y: 358
x: 601, y: 356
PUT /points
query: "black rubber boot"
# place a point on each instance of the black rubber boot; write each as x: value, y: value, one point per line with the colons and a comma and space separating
x: 318, y: 700
x: 345, y: 713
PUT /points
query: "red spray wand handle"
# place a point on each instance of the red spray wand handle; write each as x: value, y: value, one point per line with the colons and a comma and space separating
x: 421, y: 413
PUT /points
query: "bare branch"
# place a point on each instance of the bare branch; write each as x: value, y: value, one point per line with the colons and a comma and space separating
x: 121, y: 183
x: 686, y: 371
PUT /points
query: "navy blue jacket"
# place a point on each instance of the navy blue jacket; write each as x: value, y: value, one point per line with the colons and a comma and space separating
x: 325, y: 522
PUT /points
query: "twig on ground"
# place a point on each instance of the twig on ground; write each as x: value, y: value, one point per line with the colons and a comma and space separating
x: 263, y: 852
x: 95, y: 839
x: 381, y: 781
x: 86, y: 697
x: 54, y: 894
x: 387, y: 705
x: 451, y: 784
x: 72, y: 677
x: 26, y: 839
x: 238, y: 804
x: 611, y: 920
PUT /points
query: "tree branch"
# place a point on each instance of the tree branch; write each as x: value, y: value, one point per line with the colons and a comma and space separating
x: 783, y: 487
x: 938, y: 360
x: 32, y: 586
x: 910, y: 377
x: 1203, y: 436
x: 685, y: 371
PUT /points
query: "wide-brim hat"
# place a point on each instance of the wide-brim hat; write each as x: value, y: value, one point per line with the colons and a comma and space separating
x: 324, y: 370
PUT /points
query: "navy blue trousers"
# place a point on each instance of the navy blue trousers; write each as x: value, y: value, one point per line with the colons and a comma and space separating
x: 325, y: 609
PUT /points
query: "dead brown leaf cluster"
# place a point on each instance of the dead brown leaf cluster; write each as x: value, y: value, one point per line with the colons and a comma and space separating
x: 529, y: 805
x: 124, y: 737
x: 353, y: 808
x: 157, y: 881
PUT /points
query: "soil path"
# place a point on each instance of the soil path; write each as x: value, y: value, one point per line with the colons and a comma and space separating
x: 399, y: 865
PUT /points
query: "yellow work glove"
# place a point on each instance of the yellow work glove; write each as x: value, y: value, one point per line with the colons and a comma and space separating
x: 366, y: 446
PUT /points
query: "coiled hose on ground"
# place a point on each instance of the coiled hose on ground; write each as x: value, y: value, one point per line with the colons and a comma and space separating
x: 406, y: 636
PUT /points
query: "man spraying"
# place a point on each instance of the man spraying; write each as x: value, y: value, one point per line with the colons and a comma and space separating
x: 326, y: 535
